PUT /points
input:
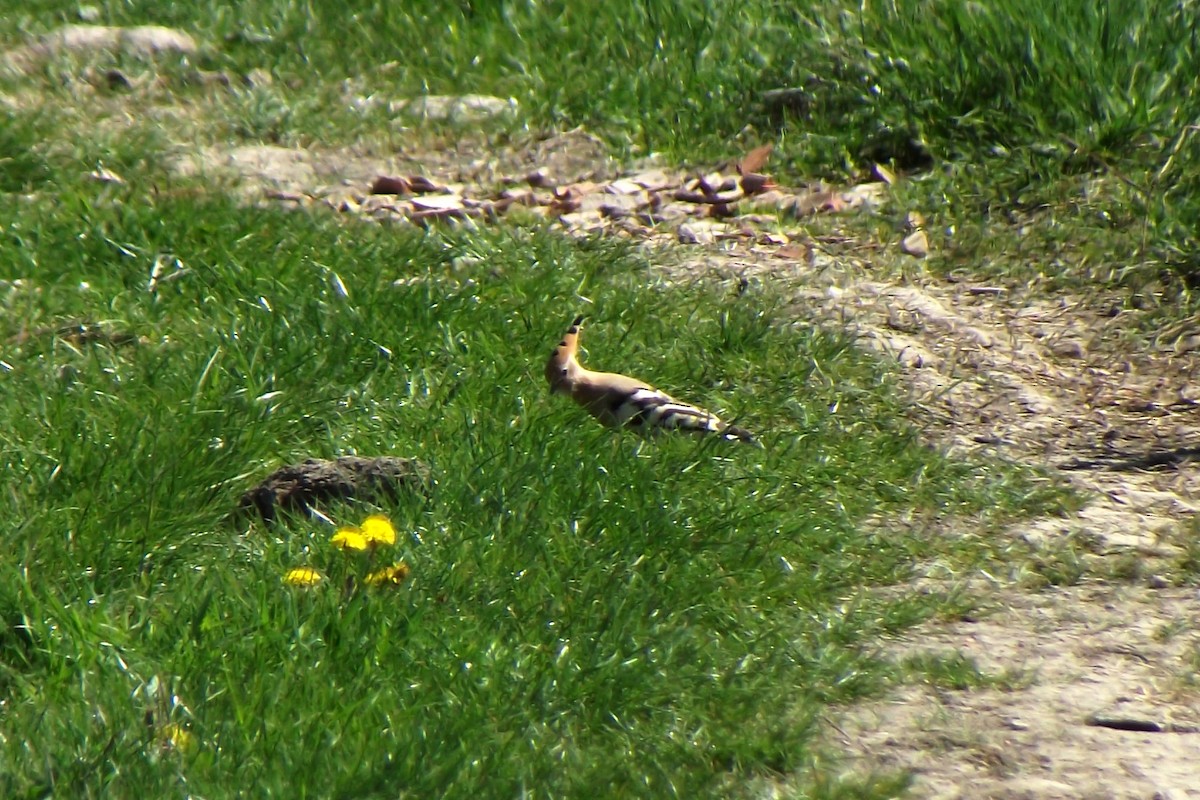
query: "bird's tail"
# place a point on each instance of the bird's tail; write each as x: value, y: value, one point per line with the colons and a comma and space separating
x: 741, y: 434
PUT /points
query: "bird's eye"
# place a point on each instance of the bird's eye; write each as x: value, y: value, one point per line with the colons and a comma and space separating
x: 564, y: 372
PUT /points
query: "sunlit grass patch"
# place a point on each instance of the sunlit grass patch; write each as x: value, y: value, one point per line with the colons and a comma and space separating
x: 1063, y: 145
x: 576, y: 607
x: 575, y: 611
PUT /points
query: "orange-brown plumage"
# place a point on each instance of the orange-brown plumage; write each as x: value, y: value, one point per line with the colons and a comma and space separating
x: 618, y: 400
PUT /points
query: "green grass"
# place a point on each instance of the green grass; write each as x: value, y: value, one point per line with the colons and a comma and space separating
x: 1061, y: 140
x: 587, y: 613
x: 1186, y: 566
x: 21, y: 167
x: 957, y: 672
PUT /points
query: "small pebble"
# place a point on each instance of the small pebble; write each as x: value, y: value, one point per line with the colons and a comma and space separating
x: 915, y: 244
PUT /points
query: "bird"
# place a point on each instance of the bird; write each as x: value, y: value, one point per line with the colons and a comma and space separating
x: 620, y: 401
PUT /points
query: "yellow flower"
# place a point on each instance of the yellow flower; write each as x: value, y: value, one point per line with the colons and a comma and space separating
x: 351, y: 538
x: 302, y: 576
x: 378, y: 530
x: 389, y: 576
x: 175, y: 737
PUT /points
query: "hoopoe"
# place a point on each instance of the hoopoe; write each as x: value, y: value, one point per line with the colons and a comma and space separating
x: 618, y: 400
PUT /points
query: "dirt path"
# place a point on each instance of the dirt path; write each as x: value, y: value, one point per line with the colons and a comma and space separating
x: 1051, y: 382
x: 1086, y: 654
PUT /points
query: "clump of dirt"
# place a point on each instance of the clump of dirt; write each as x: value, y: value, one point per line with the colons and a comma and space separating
x: 305, y: 486
x: 142, y: 41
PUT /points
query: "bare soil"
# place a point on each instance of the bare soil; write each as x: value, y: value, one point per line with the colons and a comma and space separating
x: 1055, y: 382
x: 1086, y: 654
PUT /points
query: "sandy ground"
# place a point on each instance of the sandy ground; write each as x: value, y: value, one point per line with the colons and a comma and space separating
x: 1052, y: 382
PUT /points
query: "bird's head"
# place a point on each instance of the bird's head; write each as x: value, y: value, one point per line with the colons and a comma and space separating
x: 561, y: 367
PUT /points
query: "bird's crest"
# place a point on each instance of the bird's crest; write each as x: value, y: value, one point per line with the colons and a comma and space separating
x: 558, y: 368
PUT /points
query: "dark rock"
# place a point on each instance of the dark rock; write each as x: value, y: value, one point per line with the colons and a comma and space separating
x: 899, y: 147
x: 789, y: 99
x: 117, y: 79
x: 299, y: 487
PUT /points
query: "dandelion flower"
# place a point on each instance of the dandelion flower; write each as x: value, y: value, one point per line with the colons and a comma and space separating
x: 389, y: 576
x: 302, y: 576
x: 378, y: 529
x: 350, y: 539
x: 175, y: 737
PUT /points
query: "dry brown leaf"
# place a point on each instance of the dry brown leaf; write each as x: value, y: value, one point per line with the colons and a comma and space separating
x: 688, y: 196
x: 422, y: 185
x: 794, y: 251
x: 813, y: 202
x: 388, y: 184
x: 755, y: 183
x: 755, y: 159
x: 707, y: 197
